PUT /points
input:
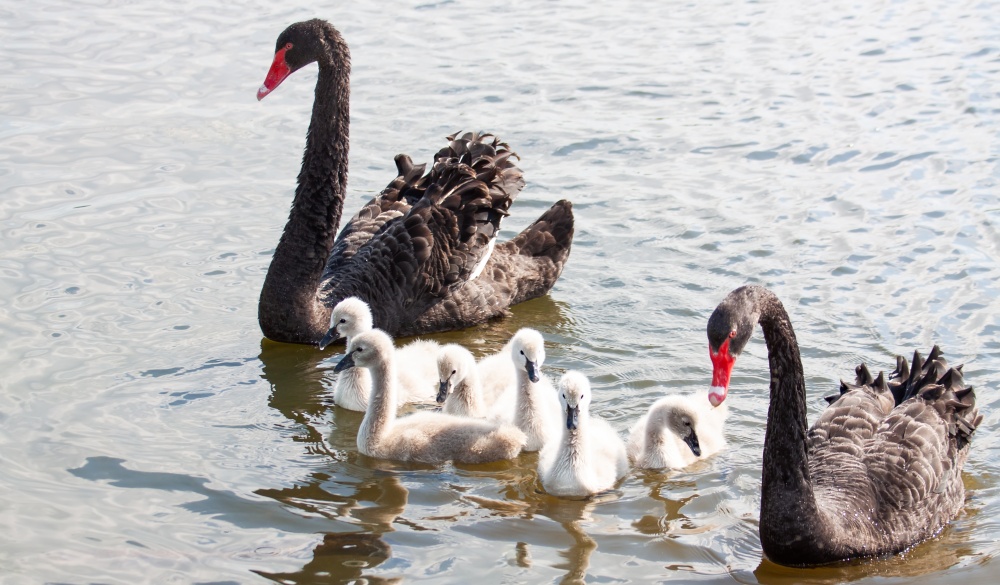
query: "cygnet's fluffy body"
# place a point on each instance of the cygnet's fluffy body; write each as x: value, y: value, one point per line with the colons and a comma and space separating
x: 428, y: 437
x: 535, y: 408
x: 677, y: 431
x: 460, y: 390
x: 498, y: 377
x: 589, y: 456
x: 417, y: 374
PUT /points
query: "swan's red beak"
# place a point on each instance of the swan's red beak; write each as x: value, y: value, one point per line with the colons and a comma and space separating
x: 722, y: 367
x: 275, y: 75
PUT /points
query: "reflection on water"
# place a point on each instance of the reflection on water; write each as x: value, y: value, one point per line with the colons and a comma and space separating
x: 340, y: 558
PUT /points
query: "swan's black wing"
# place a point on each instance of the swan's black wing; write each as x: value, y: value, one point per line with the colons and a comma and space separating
x: 392, y: 203
x: 412, y: 261
x: 900, y: 464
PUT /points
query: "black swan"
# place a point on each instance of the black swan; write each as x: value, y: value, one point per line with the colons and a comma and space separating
x: 879, y: 471
x: 422, y: 252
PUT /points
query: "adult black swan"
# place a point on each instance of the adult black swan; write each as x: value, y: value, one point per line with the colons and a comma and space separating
x: 422, y: 253
x: 879, y: 470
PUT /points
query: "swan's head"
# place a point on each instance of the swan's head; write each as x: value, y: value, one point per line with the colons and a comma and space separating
x: 366, y: 350
x: 301, y: 44
x: 350, y: 317
x: 574, y: 396
x: 528, y: 352
x: 454, y: 363
x: 678, y: 419
x: 729, y: 330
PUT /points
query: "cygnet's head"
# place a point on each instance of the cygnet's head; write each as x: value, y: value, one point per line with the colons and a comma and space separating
x: 574, y: 396
x: 366, y: 350
x: 350, y: 317
x: 680, y: 420
x: 454, y: 363
x: 528, y: 352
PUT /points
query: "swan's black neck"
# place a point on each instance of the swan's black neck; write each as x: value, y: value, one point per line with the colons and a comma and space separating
x: 790, y: 518
x: 290, y: 308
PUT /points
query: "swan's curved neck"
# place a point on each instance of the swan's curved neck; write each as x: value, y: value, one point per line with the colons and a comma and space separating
x: 788, y: 503
x: 381, y: 413
x: 290, y: 308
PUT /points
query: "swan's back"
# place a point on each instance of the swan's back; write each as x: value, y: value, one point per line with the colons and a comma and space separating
x: 424, y: 234
x: 903, y: 462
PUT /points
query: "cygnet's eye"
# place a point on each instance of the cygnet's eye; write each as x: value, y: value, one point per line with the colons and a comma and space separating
x: 360, y: 349
x: 343, y: 320
x: 453, y: 372
x: 564, y: 396
x: 522, y: 352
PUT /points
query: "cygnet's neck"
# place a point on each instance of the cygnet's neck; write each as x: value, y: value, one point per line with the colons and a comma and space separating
x: 468, y: 393
x: 381, y: 413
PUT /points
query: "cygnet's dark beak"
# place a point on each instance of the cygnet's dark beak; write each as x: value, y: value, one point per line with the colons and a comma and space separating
x: 346, y: 362
x: 692, y: 441
x: 443, y: 389
x: 572, y: 417
x: 329, y: 338
x: 532, y: 370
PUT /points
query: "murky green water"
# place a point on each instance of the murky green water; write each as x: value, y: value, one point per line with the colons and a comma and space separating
x: 843, y: 154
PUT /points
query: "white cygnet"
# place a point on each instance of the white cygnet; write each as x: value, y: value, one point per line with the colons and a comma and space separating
x: 417, y: 372
x: 534, y: 408
x: 677, y: 431
x: 589, y: 456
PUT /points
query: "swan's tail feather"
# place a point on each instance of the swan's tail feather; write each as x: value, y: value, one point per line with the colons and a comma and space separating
x: 944, y: 389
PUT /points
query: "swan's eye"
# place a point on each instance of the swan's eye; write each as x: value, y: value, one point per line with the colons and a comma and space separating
x: 732, y: 334
x: 522, y: 352
x: 288, y: 46
x: 343, y: 320
x: 360, y: 349
x: 453, y: 372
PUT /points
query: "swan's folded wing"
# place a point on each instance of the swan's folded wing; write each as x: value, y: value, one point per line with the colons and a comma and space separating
x: 917, y: 454
x: 392, y: 203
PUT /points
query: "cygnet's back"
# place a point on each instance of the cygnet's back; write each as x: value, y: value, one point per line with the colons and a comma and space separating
x: 498, y: 376
x: 416, y: 368
x: 677, y: 431
x: 589, y: 456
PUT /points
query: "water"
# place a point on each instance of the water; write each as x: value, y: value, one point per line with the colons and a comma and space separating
x: 843, y: 154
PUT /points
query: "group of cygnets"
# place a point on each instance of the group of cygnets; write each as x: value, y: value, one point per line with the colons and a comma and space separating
x: 501, y: 405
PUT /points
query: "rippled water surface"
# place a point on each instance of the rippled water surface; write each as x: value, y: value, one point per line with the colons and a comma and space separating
x: 843, y: 154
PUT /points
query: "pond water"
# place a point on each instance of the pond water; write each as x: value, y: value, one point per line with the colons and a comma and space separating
x: 844, y: 154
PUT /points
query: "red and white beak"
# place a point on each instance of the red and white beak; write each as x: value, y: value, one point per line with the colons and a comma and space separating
x: 722, y: 367
x: 276, y: 74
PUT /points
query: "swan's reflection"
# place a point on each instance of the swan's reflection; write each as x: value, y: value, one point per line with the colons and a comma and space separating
x: 572, y: 515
